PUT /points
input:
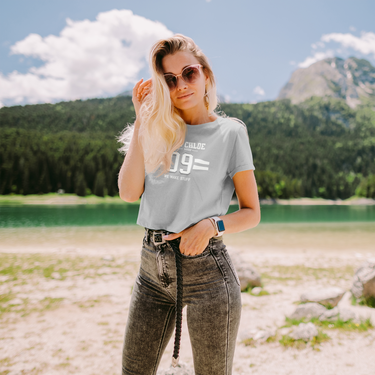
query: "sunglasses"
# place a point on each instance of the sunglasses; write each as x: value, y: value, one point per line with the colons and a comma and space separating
x: 190, y: 74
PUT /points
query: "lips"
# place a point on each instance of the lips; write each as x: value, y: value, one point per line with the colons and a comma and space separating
x: 184, y: 96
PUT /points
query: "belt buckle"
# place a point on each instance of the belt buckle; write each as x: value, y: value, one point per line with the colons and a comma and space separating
x: 157, y: 238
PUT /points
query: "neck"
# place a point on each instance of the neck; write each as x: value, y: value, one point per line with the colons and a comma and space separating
x: 195, y: 116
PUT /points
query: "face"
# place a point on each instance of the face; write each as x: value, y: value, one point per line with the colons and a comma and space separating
x: 186, y: 95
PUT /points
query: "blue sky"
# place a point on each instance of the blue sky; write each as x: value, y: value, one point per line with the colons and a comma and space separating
x: 65, y: 49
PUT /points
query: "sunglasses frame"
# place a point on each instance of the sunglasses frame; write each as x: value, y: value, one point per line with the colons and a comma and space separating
x: 182, y: 72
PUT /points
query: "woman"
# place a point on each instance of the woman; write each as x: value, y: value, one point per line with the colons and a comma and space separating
x: 185, y: 161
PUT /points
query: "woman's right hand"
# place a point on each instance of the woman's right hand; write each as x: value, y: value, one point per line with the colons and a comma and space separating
x: 140, y: 91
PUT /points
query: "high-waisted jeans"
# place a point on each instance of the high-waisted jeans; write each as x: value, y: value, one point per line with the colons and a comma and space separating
x: 211, y: 292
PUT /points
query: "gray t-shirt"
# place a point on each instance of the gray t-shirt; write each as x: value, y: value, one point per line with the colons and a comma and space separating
x: 199, y: 183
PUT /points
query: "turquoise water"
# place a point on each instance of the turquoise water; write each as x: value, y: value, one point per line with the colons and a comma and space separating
x: 117, y: 214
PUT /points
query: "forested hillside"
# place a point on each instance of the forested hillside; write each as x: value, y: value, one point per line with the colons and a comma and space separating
x: 318, y: 148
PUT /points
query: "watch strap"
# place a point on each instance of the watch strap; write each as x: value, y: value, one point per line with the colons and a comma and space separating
x: 218, y: 231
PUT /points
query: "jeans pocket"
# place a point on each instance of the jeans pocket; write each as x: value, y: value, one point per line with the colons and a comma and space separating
x: 204, y: 253
x: 231, y: 266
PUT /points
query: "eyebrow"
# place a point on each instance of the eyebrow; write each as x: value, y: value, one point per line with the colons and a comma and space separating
x: 181, y: 69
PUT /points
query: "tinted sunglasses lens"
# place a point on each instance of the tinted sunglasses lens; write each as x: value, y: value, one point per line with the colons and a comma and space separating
x: 171, y: 81
x: 190, y: 74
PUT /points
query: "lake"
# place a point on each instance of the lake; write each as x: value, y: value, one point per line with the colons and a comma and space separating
x: 15, y: 216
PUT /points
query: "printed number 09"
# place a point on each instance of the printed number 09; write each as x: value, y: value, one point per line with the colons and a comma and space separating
x: 175, y: 164
x: 186, y: 160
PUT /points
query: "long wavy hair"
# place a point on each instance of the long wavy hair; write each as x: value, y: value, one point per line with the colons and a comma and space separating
x: 162, y: 129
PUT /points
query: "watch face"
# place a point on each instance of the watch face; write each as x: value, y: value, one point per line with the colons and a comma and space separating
x: 220, y: 225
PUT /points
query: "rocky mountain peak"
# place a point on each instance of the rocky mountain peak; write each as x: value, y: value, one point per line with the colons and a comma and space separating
x: 351, y: 79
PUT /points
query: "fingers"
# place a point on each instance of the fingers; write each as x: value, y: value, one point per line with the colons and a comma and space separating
x: 172, y: 236
x: 141, y: 89
x: 135, y: 88
x: 145, y: 83
x: 192, y: 248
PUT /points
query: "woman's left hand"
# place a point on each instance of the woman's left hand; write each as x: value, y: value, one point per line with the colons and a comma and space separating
x: 195, y: 238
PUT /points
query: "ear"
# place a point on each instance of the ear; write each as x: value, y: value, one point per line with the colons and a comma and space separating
x: 206, y: 77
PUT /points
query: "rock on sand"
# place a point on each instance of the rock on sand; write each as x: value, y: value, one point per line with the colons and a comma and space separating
x: 305, y: 331
x: 364, y: 280
x: 248, y: 276
x: 325, y: 296
x: 308, y: 310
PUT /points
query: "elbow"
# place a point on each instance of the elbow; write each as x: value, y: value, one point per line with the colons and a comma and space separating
x: 253, y: 217
x: 257, y: 216
x: 257, y: 219
x: 129, y: 197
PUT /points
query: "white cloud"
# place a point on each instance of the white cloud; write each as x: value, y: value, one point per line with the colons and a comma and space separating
x: 352, y: 28
x: 259, y: 91
x: 364, y: 44
x: 88, y: 58
x: 316, y: 57
x: 317, y: 45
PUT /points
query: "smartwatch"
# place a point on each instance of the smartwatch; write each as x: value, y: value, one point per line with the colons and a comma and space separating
x: 219, y: 225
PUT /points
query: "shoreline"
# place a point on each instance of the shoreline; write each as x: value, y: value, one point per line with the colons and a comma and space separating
x: 72, y: 199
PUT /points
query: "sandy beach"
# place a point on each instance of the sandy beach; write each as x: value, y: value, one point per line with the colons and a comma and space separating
x: 65, y: 291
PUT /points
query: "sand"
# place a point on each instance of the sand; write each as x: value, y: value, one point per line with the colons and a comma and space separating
x: 65, y: 292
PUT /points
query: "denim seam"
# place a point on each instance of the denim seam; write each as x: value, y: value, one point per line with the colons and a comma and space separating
x: 221, y: 268
x: 162, y: 339
x: 228, y: 324
x: 231, y: 266
x: 165, y: 286
x: 220, y: 265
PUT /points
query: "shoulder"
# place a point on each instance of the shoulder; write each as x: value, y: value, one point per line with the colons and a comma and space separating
x: 231, y: 123
x: 232, y: 126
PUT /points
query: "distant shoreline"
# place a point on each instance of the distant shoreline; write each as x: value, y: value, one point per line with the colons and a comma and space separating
x: 72, y: 199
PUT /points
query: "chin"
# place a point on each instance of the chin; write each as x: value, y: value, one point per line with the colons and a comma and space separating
x: 187, y: 104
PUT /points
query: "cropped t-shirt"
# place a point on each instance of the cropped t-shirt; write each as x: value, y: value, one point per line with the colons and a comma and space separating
x: 199, y: 183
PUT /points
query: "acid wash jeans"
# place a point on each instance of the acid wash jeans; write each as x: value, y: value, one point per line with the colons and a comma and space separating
x: 211, y: 292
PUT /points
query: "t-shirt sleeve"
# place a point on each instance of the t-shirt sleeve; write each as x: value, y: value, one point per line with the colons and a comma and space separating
x: 241, y: 158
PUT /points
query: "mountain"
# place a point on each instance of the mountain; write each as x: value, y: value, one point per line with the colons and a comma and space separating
x: 351, y: 79
x: 126, y: 93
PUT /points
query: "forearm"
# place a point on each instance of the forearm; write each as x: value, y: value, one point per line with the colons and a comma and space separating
x: 132, y: 173
x: 241, y: 220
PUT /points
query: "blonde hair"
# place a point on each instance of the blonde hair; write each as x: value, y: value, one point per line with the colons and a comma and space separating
x: 163, y: 130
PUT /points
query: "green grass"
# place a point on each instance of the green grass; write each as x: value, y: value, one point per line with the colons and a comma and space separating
x: 249, y: 289
x: 297, y: 273
x: 34, y: 270
x: 289, y: 342
x: 26, y: 308
x: 251, y: 342
x: 370, y: 301
x: 25, y: 266
x: 362, y: 326
x: 92, y: 302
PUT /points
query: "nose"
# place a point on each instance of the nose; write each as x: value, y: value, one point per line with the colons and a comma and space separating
x: 181, y: 84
